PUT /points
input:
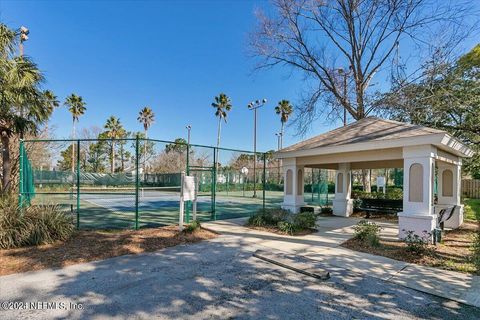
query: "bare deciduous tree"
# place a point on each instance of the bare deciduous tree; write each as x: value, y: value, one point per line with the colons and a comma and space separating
x: 340, y: 46
x: 330, y: 39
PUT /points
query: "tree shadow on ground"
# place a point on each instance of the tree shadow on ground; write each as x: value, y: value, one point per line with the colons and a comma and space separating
x: 219, y: 279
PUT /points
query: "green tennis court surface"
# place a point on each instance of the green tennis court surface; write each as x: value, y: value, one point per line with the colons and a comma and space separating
x: 156, y: 207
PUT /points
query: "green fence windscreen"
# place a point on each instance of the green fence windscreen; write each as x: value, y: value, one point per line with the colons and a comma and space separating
x: 135, y: 182
x: 27, y: 186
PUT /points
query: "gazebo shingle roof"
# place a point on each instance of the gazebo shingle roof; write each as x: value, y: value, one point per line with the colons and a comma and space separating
x: 369, y: 129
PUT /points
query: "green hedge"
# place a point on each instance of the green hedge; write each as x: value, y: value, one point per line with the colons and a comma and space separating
x: 391, y: 194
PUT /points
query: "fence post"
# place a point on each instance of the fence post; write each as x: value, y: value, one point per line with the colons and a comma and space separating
x: 137, y: 179
x: 78, y: 184
x: 21, y: 191
x: 187, y: 171
x: 214, y: 184
x: 264, y: 177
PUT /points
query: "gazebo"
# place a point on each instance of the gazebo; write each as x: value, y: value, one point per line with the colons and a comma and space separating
x: 374, y: 143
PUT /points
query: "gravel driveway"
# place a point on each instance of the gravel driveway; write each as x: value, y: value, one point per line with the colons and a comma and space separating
x: 214, y: 279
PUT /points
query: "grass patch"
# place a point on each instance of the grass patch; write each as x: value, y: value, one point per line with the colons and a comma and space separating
x: 472, y: 209
x: 85, y: 246
x: 192, y: 227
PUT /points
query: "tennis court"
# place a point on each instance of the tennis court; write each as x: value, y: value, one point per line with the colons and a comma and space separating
x: 139, y: 187
x: 107, y: 209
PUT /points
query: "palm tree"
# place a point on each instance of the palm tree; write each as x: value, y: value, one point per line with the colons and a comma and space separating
x: 77, y: 108
x: 24, y: 107
x: 51, y: 100
x: 114, y: 131
x: 146, y: 117
x: 284, y: 109
x: 222, y: 105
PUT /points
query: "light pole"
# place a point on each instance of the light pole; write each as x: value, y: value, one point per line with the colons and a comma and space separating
x: 23, y: 37
x: 279, y: 146
x: 279, y: 137
x: 189, y: 128
x: 254, y: 106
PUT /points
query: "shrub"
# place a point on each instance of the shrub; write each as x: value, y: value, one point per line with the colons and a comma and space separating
x: 257, y: 220
x: 33, y: 225
x: 476, y: 251
x: 193, y: 226
x: 307, y: 209
x: 287, y: 227
x: 418, y: 244
x: 367, y: 232
x: 305, y: 220
x: 49, y: 224
x: 326, y: 210
x: 268, y: 217
x: 392, y: 194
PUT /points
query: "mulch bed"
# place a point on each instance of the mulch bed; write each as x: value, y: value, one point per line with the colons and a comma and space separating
x: 375, y: 216
x: 277, y: 231
x: 454, y: 253
x: 85, y: 246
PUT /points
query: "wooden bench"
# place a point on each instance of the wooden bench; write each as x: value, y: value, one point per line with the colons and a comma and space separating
x: 381, y: 206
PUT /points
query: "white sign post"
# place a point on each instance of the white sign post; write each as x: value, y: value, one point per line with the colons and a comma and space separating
x: 187, y: 193
x: 244, y: 171
x: 381, y: 184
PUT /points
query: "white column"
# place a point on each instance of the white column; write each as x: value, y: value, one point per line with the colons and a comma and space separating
x: 449, y: 191
x: 418, y: 177
x: 294, y: 175
x: 342, y: 204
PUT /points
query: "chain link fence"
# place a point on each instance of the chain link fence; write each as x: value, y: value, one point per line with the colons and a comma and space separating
x: 135, y: 182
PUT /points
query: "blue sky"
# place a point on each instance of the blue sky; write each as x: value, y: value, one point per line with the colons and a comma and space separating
x: 173, y: 56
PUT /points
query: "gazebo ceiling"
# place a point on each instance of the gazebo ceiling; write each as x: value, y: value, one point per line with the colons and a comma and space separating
x: 374, y: 133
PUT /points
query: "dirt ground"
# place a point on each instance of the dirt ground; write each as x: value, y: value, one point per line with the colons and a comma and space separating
x: 454, y: 253
x: 374, y: 216
x: 90, y: 245
x: 278, y: 231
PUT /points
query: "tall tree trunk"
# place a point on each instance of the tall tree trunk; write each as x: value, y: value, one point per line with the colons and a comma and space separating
x: 366, y: 180
x: 218, y: 140
x: 145, y: 153
x: 112, y: 154
x: 122, y: 157
x: 281, y: 135
x: 6, y: 163
x: 73, y: 147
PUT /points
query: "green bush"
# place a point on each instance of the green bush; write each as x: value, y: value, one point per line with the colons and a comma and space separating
x: 283, y: 220
x: 305, y: 220
x: 367, y: 232
x: 194, y: 225
x: 33, y: 225
x: 268, y: 217
x: 476, y: 251
x: 418, y: 244
x: 326, y: 210
x: 392, y: 194
x: 287, y: 227
x: 307, y: 209
x: 257, y: 220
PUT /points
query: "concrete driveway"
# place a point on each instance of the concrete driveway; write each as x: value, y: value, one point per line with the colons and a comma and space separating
x: 215, y: 279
